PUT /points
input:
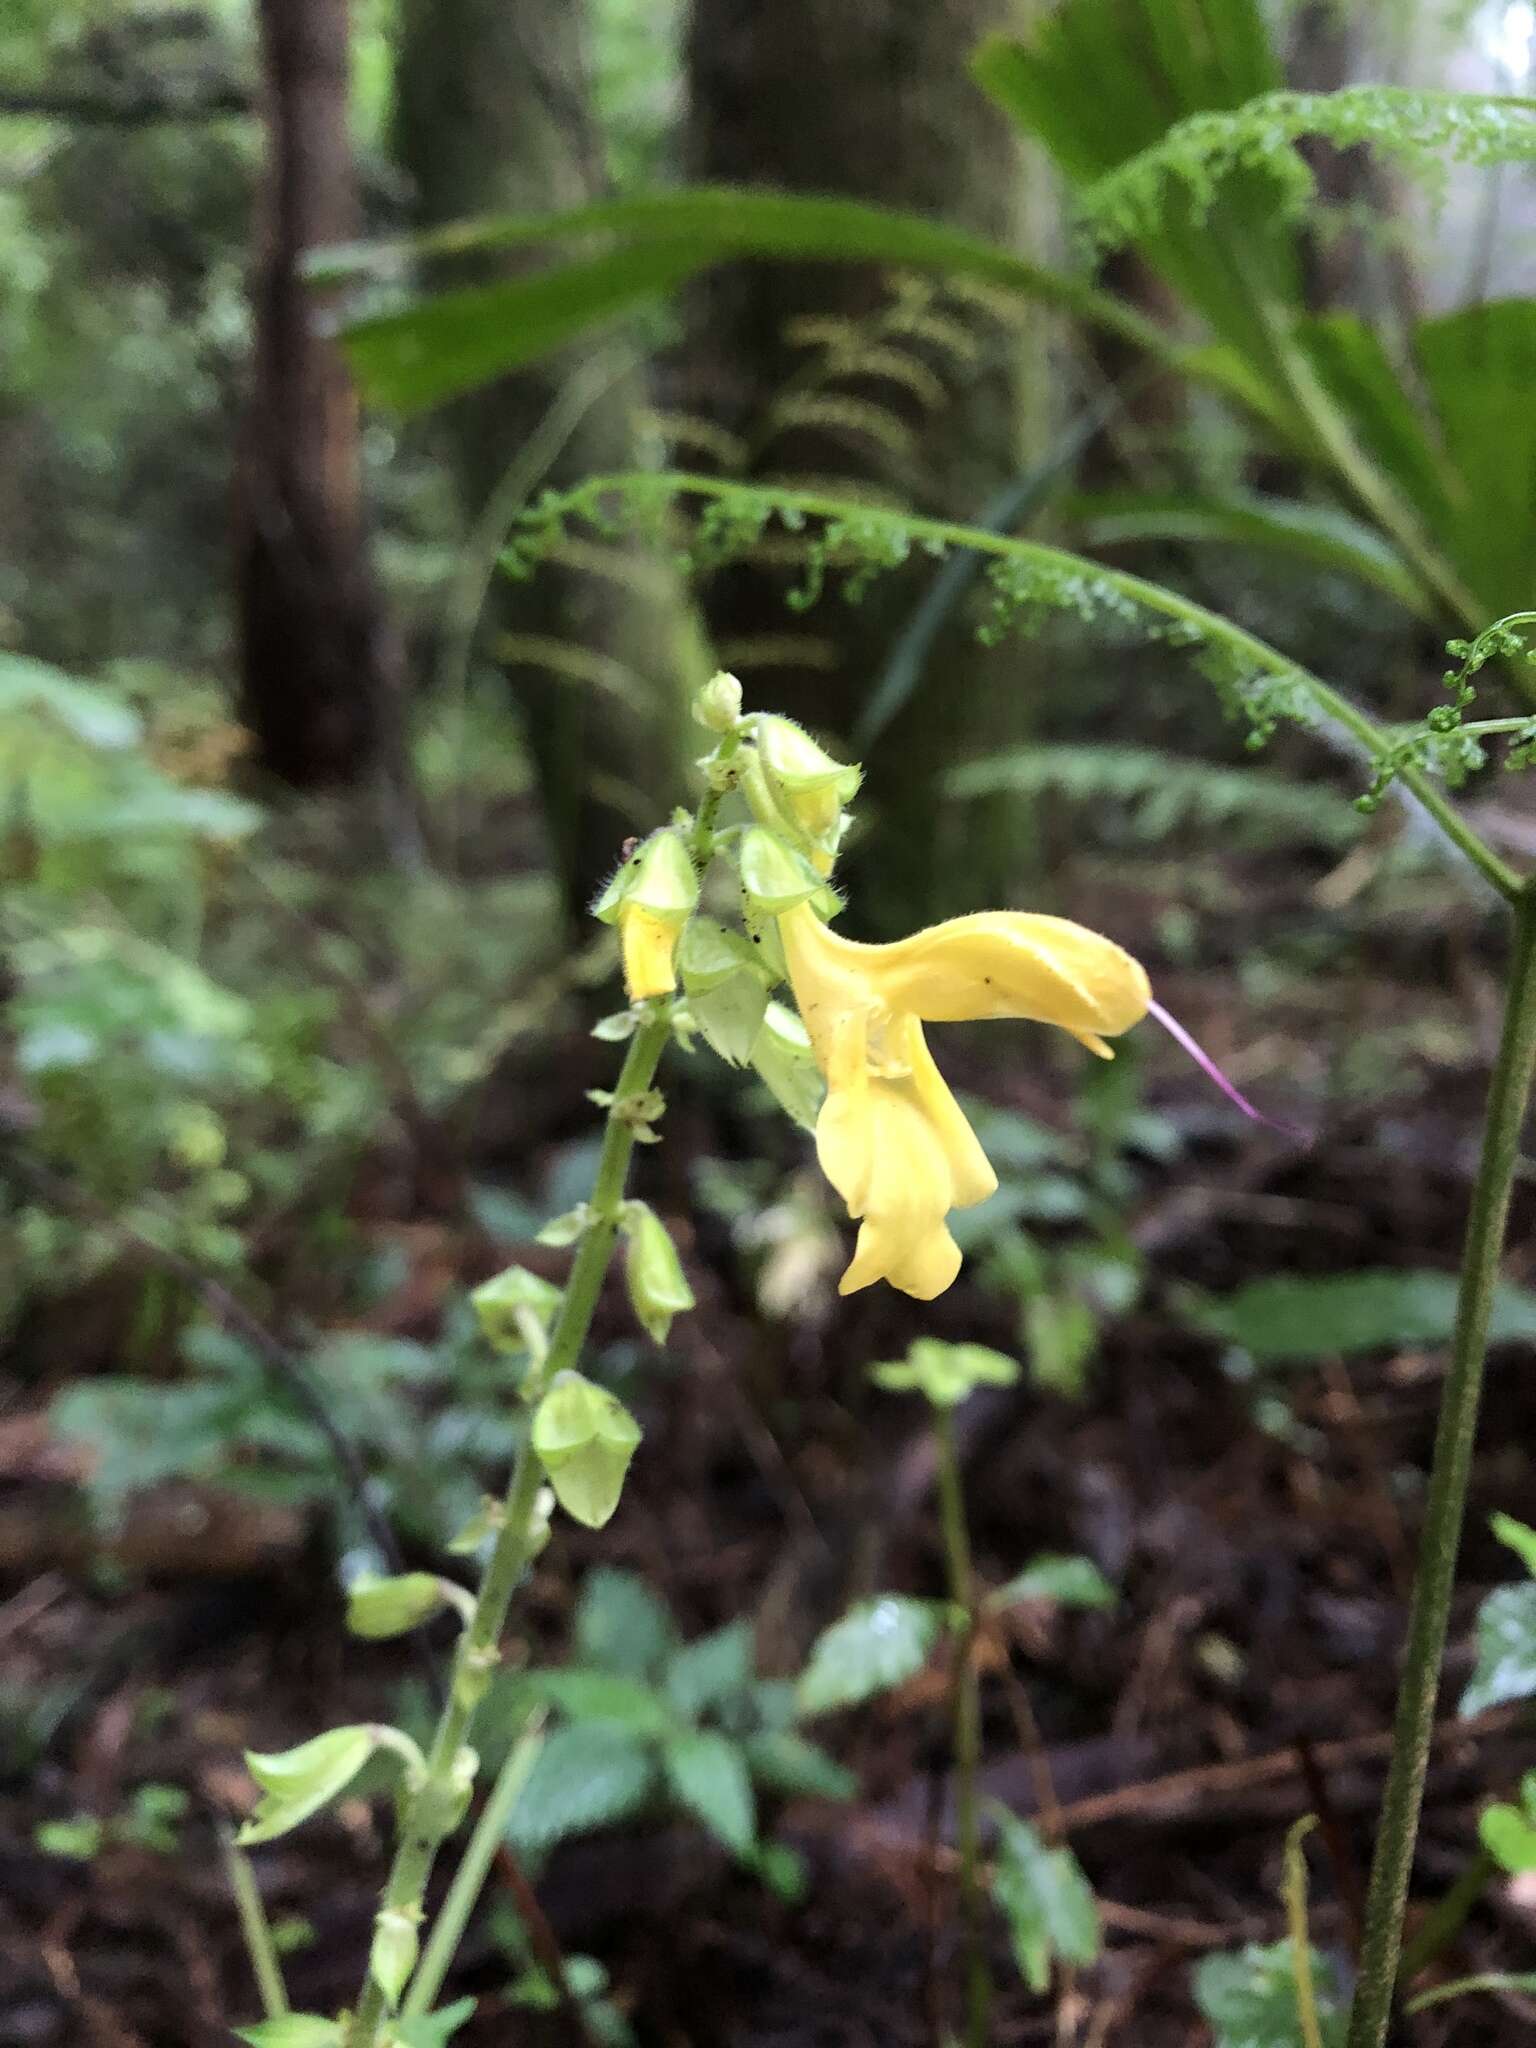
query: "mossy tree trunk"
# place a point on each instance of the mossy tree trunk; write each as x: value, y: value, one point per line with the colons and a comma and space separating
x: 597, y: 647
x: 868, y: 383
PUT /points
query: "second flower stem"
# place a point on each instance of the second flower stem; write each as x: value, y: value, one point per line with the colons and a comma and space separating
x: 967, y: 1737
x: 1445, y: 1504
x: 429, y: 1813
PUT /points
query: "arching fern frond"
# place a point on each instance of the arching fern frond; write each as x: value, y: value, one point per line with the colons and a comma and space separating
x: 1424, y: 132
x: 1252, y: 677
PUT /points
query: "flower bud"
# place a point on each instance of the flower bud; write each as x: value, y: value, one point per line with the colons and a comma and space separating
x: 377, y: 1608
x: 653, y: 1273
x: 584, y: 1438
x: 504, y: 1304
x: 393, y: 1954
x: 718, y: 705
x: 792, y: 781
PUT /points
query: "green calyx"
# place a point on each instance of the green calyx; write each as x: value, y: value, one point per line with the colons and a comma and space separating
x: 658, y: 877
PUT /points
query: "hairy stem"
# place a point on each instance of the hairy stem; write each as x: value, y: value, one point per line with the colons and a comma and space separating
x: 429, y: 1815
x: 1392, y: 1865
x: 962, y: 1590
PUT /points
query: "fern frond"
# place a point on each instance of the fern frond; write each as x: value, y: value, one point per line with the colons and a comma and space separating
x: 573, y: 663
x: 948, y: 336
x: 1156, y: 794
x: 833, y: 412
x: 688, y: 430
x: 1422, y: 131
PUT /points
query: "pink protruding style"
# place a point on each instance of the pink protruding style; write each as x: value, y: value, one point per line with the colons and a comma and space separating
x: 1209, y: 1068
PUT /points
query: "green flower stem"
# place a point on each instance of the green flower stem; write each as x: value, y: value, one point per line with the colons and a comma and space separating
x: 259, y: 1945
x: 962, y: 1590
x: 1332, y: 706
x: 1391, y: 1868
x: 469, y: 1878
x: 429, y: 1815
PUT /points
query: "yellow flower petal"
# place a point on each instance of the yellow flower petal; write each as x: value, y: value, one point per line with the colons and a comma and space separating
x: 648, y: 943
x: 903, y: 1188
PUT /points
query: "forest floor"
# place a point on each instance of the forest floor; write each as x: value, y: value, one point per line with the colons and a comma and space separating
x: 1244, y: 1678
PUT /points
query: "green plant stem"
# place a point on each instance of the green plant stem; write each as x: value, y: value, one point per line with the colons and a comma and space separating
x: 1445, y: 1918
x: 259, y: 1945
x: 962, y: 1590
x: 1207, y: 626
x: 1445, y: 1504
x: 474, y: 1866
x: 429, y: 1814
x: 1298, y: 1932
x: 1486, y: 1980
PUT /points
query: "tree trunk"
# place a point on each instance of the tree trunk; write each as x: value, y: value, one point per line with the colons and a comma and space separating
x: 910, y: 388
x: 597, y: 645
x: 317, y: 667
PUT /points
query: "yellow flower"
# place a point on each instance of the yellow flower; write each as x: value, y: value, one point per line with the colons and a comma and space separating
x: 648, y: 944
x: 890, y: 1137
x: 650, y: 899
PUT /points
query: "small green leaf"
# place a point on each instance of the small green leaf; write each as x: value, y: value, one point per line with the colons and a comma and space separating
x: 707, y: 1772
x: 1506, y: 1649
x: 377, y: 1608
x: 587, y: 1775
x: 1060, y: 1331
x: 621, y: 1624
x: 783, y: 1762
x: 1295, y: 1317
x: 712, y: 1670
x: 297, y: 1782
x: 565, y: 1229
x: 78, y: 1840
x: 602, y: 1696
x: 434, y: 2029
x: 585, y: 1438
x: 293, y: 2030
x: 1519, y: 1536
x: 877, y: 1644
x: 1046, y: 1900
x: 1509, y: 1836
x: 1250, y: 1998
x: 1067, y: 1581
x: 946, y: 1374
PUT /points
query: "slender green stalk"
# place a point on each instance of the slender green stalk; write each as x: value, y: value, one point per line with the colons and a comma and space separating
x: 1391, y: 1868
x: 1486, y: 1980
x: 1297, y: 1931
x: 962, y: 1590
x: 1445, y: 1919
x: 469, y: 1878
x: 432, y: 1812
x: 259, y: 1945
